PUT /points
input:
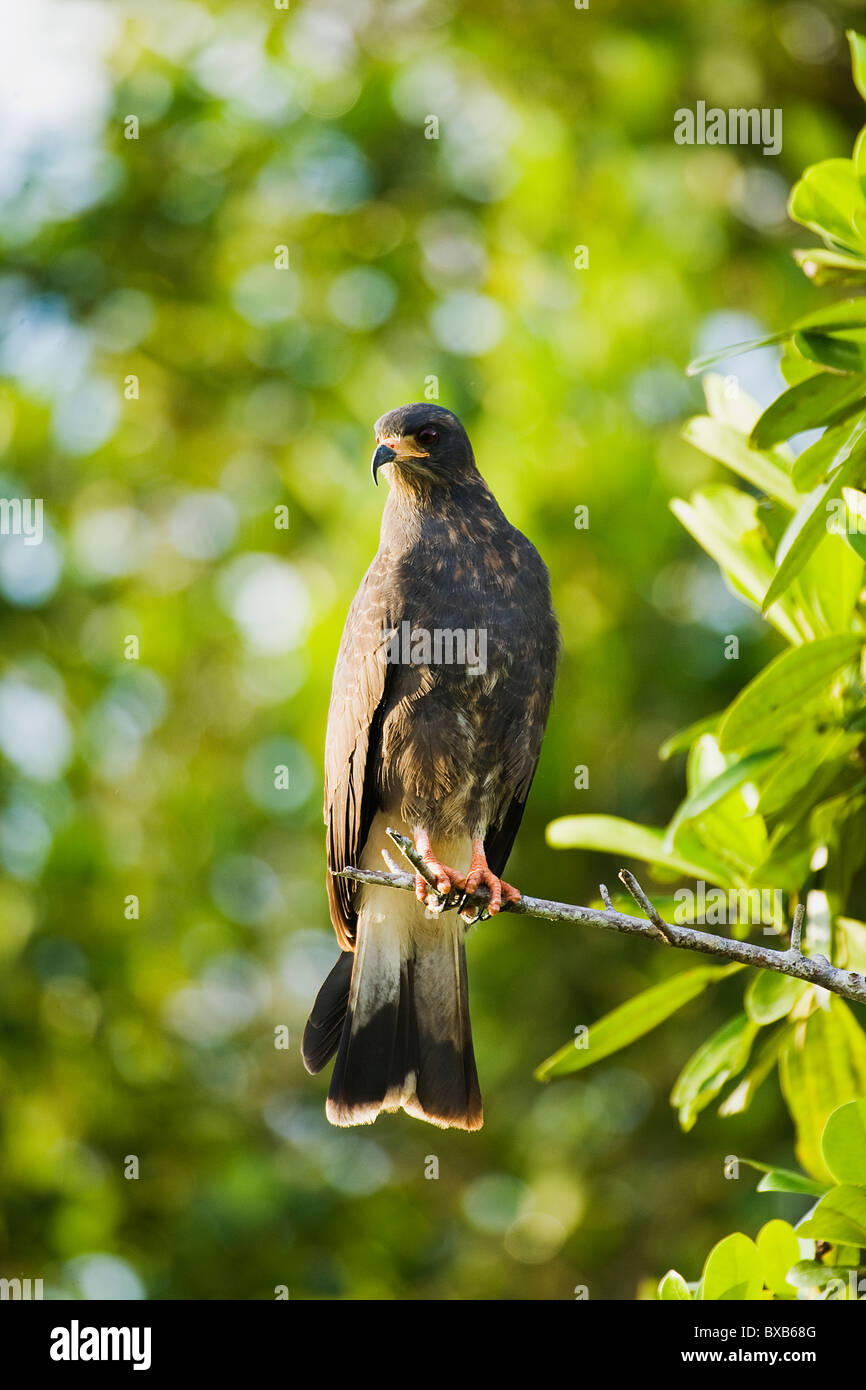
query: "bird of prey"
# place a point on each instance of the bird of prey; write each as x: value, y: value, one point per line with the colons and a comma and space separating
x: 441, y: 693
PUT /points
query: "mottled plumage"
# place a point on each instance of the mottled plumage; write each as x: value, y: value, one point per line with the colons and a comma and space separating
x: 444, y: 749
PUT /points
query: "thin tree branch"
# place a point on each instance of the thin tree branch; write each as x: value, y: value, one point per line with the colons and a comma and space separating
x: 797, y: 926
x: 816, y: 970
x: 644, y: 904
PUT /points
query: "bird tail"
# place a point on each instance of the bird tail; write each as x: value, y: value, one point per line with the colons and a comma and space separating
x: 402, y: 1000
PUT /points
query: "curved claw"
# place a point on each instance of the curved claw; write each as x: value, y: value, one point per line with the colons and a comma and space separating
x: 446, y: 881
x: 500, y: 891
x: 480, y: 872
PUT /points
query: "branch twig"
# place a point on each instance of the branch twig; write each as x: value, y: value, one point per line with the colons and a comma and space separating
x: 816, y: 970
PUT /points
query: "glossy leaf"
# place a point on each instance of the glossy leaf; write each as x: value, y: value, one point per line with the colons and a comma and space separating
x: 819, y: 400
x: 813, y: 1274
x: 708, y: 1069
x: 836, y: 351
x: 826, y: 199
x: 841, y: 315
x: 683, y: 739
x: 844, y: 1143
x: 840, y: 1215
x: 724, y: 522
x: 822, y: 1066
x: 825, y: 267
x: 857, y: 44
x: 778, y: 1251
x: 633, y: 1019
x: 710, y: 359
x: 811, y: 755
x: 757, y: 466
x: 622, y: 837
x: 776, y: 696
x: 762, y: 1064
x: 673, y: 1288
x: 811, y: 521
x: 786, y: 1180
x: 732, y: 1270
x: 816, y: 461
x: 771, y: 996
x: 730, y: 779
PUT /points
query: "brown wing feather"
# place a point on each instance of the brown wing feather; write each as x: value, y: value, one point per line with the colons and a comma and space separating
x: 499, y: 840
x: 357, y: 696
x: 526, y: 701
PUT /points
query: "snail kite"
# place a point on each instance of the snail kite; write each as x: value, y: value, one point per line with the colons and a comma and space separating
x: 441, y: 693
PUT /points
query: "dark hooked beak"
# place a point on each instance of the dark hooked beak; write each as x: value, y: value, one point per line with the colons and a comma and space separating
x: 384, y: 454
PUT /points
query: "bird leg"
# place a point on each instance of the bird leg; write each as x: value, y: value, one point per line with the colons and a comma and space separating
x: 446, y: 878
x: 481, y: 873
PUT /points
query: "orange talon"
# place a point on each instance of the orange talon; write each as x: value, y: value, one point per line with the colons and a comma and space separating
x: 481, y: 873
x: 446, y: 878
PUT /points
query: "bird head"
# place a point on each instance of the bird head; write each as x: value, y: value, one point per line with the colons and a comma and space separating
x: 422, y: 442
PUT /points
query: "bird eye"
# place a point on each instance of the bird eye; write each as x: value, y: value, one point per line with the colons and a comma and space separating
x: 428, y: 435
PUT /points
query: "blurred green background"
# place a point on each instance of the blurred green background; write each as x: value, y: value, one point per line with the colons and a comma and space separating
x: 167, y: 389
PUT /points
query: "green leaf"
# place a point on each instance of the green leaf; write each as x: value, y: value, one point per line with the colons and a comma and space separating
x: 778, y: 1251
x: 683, y: 739
x: 836, y: 317
x: 809, y: 525
x: 826, y: 198
x: 719, y: 787
x: 777, y: 695
x: 673, y: 1288
x: 811, y: 754
x: 813, y: 1274
x: 722, y: 824
x: 632, y: 1020
x: 815, y: 462
x: 829, y: 584
x: 824, y: 267
x: 859, y: 158
x: 740, y: 1098
x: 786, y: 1180
x: 725, y: 522
x: 839, y: 1216
x: 852, y: 937
x: 771, y: 996
x: 843, y: 1143
x: 821, y: 1066
x: 728, y: 446
x: 615, y: 836
x: 732, y: 1270
x: 839, y: 352
x: 709, y: 359
x: 857, y: 45
x: 819, y: 400
x: 852, y: 526
x: 735, y: 408
x: 708, y: 1069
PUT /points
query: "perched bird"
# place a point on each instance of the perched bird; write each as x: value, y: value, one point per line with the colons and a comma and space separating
x: 441, y: 694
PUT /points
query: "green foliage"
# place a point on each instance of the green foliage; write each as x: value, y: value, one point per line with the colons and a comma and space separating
x: 776, y: 781
x: 844, y: 1143
x: 781, y: 1263
x: 632, y: 1020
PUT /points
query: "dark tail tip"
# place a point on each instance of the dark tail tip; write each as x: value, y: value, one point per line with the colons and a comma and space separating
x: 325, y: 1024
x: 410, y: 1046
